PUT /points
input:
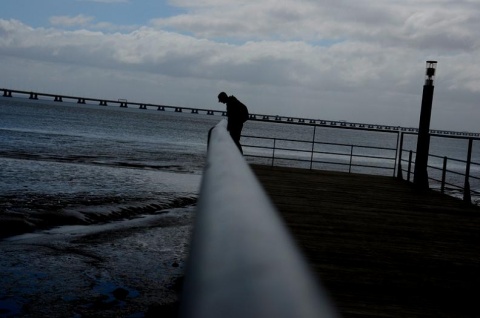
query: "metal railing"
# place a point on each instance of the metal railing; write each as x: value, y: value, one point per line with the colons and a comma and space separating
x: 314, y: 154
x: 441, y: 174
x: 310, y: 152
x: 243, y: 262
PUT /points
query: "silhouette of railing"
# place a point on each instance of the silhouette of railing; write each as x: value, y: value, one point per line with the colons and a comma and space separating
x: 243, y: 262
x: 314, y: 154
x: 333, y: 154
x: 462, y: 176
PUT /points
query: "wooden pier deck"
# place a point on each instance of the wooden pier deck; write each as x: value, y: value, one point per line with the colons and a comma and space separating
x: 380, y: 248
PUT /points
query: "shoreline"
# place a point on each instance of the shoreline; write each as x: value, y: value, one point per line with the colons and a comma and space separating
x: 28, y: 213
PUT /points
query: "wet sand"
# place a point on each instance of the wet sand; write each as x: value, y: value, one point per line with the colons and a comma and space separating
x: 26, y: 213
x: 128, y: 268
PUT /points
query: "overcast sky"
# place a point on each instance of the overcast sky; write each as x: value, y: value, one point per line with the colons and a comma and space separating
x: 354, y: 60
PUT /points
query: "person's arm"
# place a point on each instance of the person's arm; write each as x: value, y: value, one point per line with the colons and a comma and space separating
x: 229, y: 116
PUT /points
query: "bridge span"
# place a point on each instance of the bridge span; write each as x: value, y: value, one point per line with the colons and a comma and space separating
x: 124, y: 103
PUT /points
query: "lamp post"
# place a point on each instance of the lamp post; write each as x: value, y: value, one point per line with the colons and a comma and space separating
x: 420, y: 178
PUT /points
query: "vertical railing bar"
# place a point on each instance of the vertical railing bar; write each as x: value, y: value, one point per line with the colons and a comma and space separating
x: 409, y: 165
x: 466, y: 188
x: 351, y: 157
x: 313, y: 147
x: 399, y: 154
x: 273, y: 152
x: 444, y: 173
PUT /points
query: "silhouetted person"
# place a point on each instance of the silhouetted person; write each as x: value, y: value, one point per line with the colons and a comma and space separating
x: 237, y: 114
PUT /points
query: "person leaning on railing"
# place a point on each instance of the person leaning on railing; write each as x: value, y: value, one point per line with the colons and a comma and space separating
x: 237, y: 114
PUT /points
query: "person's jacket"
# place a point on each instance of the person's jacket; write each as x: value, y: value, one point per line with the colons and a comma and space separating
x: 237, y: 112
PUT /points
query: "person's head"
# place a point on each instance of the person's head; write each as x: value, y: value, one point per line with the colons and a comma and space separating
x: 222, y: 97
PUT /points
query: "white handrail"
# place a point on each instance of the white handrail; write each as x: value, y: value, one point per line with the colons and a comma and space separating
x: 243, y: 261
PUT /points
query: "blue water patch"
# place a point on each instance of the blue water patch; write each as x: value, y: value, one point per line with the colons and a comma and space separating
x: 109, y: 290
x: 11, y: 306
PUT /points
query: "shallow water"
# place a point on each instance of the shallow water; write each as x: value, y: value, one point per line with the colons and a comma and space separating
x: 70, y: 164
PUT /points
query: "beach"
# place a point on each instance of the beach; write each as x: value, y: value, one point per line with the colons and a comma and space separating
x: 131, y: 268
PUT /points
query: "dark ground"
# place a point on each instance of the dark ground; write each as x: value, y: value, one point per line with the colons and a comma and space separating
x: 129, y: 268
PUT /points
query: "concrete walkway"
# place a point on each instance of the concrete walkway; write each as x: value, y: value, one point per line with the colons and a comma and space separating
x: 380, y: 248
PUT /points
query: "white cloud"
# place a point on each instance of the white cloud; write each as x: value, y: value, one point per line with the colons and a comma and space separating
x: 350, y: 60
x: 401, y: 23
x: 68, y: 21
x: 88, y: 22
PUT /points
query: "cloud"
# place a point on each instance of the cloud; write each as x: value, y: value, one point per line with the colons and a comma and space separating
x: 406, y: 23
x: 88, y: 23
x: 68, y: 21
x: 152, y: 50
x: 344, y: 59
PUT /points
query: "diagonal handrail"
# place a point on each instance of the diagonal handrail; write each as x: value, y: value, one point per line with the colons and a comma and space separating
x: 243, y: 261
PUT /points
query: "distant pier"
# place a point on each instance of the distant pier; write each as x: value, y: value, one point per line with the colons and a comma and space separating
x: 258, y: 117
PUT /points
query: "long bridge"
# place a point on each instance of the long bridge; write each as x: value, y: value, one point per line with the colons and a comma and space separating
x: 260, y: 117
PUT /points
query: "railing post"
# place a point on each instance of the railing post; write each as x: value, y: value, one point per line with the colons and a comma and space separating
x: 466, y: 189
x: 313, y: 147
x: 409, y: 165
x: 400, y: 151
x: 273, y: 152
x: 444, y: 173
x: 351, y: 157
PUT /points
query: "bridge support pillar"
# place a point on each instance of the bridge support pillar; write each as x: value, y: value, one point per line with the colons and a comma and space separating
x: 81, y: 101
x: 162, y: 108
x: 178, y: 109
x: 123, y: 105
x: 33, y: 96
x: 103, y: 103
x: 58, y: 99
x: 143, y: 106
x: 7, y: 93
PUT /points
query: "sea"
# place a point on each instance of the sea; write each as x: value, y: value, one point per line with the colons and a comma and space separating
x: 102, y: 198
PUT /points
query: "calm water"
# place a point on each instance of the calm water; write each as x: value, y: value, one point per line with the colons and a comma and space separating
x: 67, y: 163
